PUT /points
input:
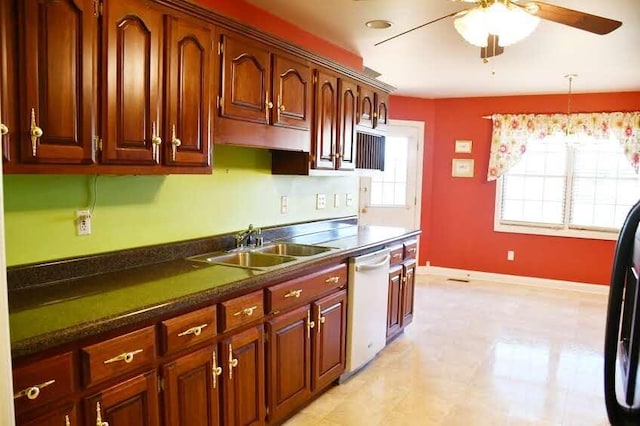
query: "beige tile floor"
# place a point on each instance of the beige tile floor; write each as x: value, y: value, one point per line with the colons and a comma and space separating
x: 480, y: 353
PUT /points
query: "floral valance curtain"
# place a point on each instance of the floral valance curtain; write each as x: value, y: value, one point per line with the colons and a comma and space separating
x: 511, y: 132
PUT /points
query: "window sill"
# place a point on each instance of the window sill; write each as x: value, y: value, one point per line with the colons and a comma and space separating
x: 563, y: 233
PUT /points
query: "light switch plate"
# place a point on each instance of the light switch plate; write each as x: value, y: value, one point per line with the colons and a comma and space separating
x: 284, y: 204
x: 321, y: 201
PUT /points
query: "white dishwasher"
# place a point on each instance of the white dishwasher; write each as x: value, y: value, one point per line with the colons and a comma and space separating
x: 367, y: 309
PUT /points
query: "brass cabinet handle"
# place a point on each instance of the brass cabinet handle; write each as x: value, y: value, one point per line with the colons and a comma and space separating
x: 404, y: 279
x: 282, y: 108
x: 99, y: 421
x: 175, y: 143
x: 332, y: 280
x: 412, y: 250
x: 67, y: 422
x: 293, y: 293
x: 338, y: 155
x: 3, y: 129
x: 33, y: 392
x: 193, y: 330
x: 397, y: 255
x: 233, y: 362
x: 36, y: 133
x: 216, y: 370
x: 321, y: 320
x: 156, y: 141
x: 267, y: 106
x: 310, y: 324
x: 125, y: 356
x: 246, y: 311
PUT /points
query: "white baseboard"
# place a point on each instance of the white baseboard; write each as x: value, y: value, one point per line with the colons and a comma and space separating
x: 462, y: 274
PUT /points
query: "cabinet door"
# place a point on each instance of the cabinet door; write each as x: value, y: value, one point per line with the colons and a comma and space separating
x: 243, y: 390
x: 330, y: 341
x: 381, y: 119
x: 63, y: 416
x: 289, y: 362
x: 57, y: 44
x: 366, y: 106
x: 8, y: 98
x: 245, y: 80
x: 326, y: 121
x: 408, y: 290
x: 346, y: 151
x: 291, y: 89
x: 192, y: 385
x: 130, y: 403
x: 188, y: 102
x: 394, y: 309
x: 132, y: 38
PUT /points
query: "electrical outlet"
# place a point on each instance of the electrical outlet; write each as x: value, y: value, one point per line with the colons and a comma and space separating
x: 336, y: 200
x: 511, y: 255
x: 349, y: 199
x: 83, y: 222
x: 321, y: 201
x: 284, y: 204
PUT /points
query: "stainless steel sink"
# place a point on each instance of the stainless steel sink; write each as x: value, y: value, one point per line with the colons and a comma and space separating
x: 292, y: 249
x: 244, y: 259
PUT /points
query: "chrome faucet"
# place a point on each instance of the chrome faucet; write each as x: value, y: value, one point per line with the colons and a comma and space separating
x: 243, y: 238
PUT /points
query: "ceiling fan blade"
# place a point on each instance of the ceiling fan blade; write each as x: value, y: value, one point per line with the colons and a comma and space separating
x: 573, y: 18
x: 492, y: 49
x: 418, y: 27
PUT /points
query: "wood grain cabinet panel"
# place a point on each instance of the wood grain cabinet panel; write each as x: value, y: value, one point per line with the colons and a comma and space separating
x: 326, y: 121
x: 191, y: 389
x: 394, y: 308
x: 330, y: 342
x: 188, y: 330
x: 401, y: 287
x: 8, y: 97
x: 382, y: 115
x: 291, y: 89
x: 61, y: 416
x: 243, y: 389
x: 346, y: 150
x: 189, y: 91
x: 366, y: 106
x: 57, y: 51
x: 409, y: 274
x: 132, y: 41
x: 131, y: 403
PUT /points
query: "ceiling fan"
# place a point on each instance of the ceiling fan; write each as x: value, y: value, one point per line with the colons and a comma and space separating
x: 493, y: 24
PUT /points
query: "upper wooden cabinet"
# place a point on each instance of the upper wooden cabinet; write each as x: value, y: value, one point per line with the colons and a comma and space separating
x: 348, y: 104
x: 8, y: 98
x: 381, y: 119
x: 57, y: 50
x: 267, y: 89
x: 189, y: 93
x: 373, y: 109
x: 326, y: 121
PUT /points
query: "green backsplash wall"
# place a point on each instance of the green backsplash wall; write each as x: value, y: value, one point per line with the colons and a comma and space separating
x: 132, y: 211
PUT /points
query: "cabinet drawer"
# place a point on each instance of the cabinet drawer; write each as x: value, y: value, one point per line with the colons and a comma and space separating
x: 241, y: 310
x: 397, y: 254
x: 304, y: 289
x: 119, y: 355
x: 188, y: 330
x: 43, y: 381
x: 410, y: 249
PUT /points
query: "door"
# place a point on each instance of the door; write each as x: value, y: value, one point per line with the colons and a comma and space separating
x: 329, y: 350
x: 58, y: 40
x: 291, y: 93
x: 191, y: 394
x: 133, y: 32
x: 245, y: 80
x: 62, y: 416
x: 348, y: 106
x: 289, y: 362
x: 408, y: 290
x: 188, y: 103
x: 243, y: 391
x: 394, y: 308
x: 8, y: 98
x: 326, y: 121
x: 130, y: 403
x: 392, y: 197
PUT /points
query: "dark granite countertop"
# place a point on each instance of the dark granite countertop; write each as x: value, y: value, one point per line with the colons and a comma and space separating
x: 46, y: 316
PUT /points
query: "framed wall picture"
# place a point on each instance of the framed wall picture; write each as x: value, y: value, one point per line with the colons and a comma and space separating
x: 463, y: 146
x: 462, y: 167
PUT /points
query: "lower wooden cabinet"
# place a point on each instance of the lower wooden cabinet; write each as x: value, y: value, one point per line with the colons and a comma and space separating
x: 401, y: 293
x: 243, y: 386
x: 330, y: 342
x: 192, y: 389
x: 63, y: 416
x: 132, y: 402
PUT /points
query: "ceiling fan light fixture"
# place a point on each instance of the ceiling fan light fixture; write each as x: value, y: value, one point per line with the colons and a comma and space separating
x: 510, y: 23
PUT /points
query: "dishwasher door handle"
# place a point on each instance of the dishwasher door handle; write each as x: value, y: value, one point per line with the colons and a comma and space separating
x: 372, y: 266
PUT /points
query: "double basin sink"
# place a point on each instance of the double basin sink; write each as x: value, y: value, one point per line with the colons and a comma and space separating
x: 266, y: 257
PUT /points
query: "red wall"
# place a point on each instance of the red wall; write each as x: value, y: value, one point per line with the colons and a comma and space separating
x: 457, y: 213
x: 251, y: 15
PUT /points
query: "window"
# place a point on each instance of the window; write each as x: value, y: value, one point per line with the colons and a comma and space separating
x: 389, y: 188
x: 581, y: 189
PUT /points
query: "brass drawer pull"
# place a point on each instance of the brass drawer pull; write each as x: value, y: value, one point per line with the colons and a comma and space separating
x: 293, y: 293
x: 332, y: 280
x: 216, y: 370
x: 246, y: 311
x: 196, y: 331
x: 397, y: 255
x: 126, y: 357
x: 412, y: 250
x: 310, y: 324
x: 99, y: 421
x: 34, y: 391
